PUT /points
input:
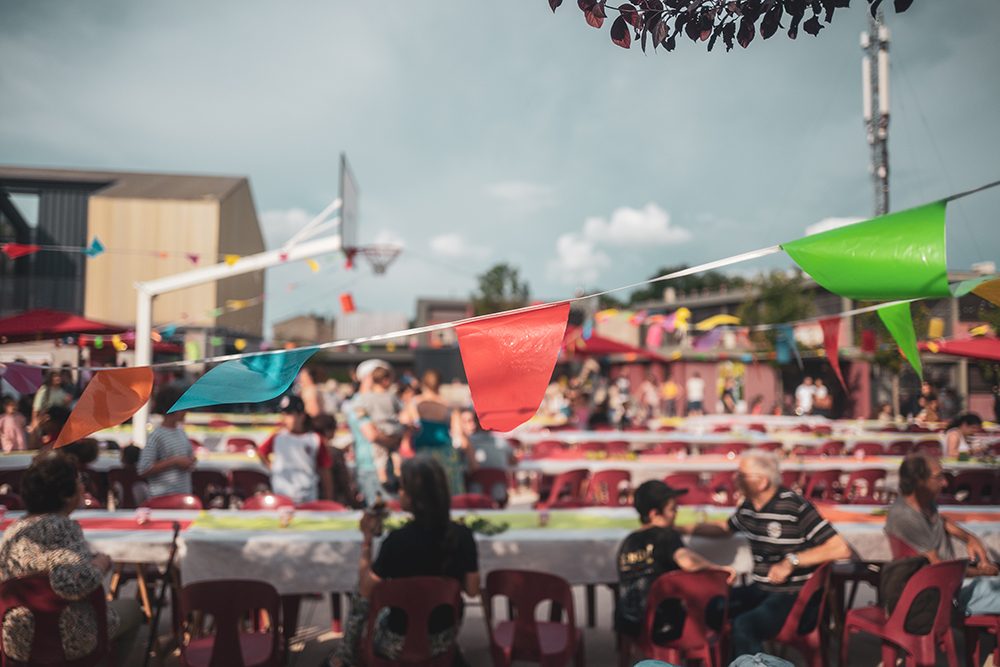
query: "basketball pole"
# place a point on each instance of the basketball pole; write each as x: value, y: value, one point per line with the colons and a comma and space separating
x: 147, y: 291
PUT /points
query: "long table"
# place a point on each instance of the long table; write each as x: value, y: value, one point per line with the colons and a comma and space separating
x: 320, y: 551
x: 217, y: 461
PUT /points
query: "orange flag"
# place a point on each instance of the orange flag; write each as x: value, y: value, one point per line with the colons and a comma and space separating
x: 831, y: 343
x: 509, y: 361
x: 111, y: 397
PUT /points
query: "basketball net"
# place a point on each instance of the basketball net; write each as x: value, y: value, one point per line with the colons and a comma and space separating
x: 378, y: 256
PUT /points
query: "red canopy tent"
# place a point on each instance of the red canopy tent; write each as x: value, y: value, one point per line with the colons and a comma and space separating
x: 599, y: 346
x: 43, y: 324
x: 982, y: 347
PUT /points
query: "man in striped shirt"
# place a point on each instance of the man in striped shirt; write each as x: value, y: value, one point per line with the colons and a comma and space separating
x: 789, y: 540
x: 168, y: 457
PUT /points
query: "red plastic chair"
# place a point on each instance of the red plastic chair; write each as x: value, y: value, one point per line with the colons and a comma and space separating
x: 35, y: 593
x: 267, y: 501
x: 487, y: 481
x: 608, y: 488
x: 899, y: 548
x: 240, y: 445
x: 617, y: 448
x: 974, y: 627
x: 722, y: 486
x: 683, y: 480
x: 730, y: 449
x: 246, y: 483
x: 697, y: 495
x: 228, y: 601
x: 567, y: 489
x: 832, y: 448
x: 972, y: 487
x: 321, y: 506
x: 219, y: 423
x: 196, y: 444
x: 919, y: 650
x: 861, y: 487
x: 770, y: 446
x: 722, y: 428
x: 929, y: 447
x: 174, y: 501
x: 123, y: 482
x: 11, y: 501
x: 522, y: 637
x: 417, y: 597
x: 869, y: 448
x: 760, y: 428
x: 791, y: 479
x: 11, y: 479
x: 668, y: 448
x: 473, y: 501
x: 809, y: 641
x: 546, y: 448
x: 697, y: 591
x: 899, y: 447
x: 209, y: 485
x: 823, y: 485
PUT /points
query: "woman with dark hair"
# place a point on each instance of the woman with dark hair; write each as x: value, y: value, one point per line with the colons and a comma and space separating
x: 51, y: 394
x: 343, y: 490
x: 47, y: 426
x: 960, y: 429
x: 429, y: 545
x: 47, y: 541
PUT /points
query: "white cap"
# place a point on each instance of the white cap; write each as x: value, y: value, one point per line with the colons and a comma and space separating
x: 367, y: 367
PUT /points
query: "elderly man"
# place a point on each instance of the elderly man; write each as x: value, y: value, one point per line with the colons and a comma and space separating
x: 372, y: 448
x: 915, y: 520
x: 789, y: 540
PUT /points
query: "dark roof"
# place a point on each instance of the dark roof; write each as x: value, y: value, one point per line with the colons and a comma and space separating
x: 124, y: 185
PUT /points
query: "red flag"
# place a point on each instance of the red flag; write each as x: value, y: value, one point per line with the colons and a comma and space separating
x: 868, y: 343
x: 831, y: 343
x: 509, y: 360
x: 111, y: 397
x: 15, y: 250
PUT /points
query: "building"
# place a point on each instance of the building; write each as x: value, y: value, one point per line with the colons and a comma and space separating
x: 304, y: 330
x: 151, y: 225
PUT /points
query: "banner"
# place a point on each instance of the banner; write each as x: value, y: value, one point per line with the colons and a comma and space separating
x: 898, y: 320
x: 111, y: 397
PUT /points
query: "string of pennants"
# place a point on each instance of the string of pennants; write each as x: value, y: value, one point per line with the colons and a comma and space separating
x: 509, y: 356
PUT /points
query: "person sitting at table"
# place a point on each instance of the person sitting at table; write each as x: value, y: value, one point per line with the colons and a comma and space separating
x: 655, y: 549
x: 299, y: 460
x: 48, y: 541
x: 168, y: 457
x: 914, y: 519
x: 789, y: 540
x: 46, y: 429
x: 343, y: 490
x: 429, y: 545
x: 960, y: 429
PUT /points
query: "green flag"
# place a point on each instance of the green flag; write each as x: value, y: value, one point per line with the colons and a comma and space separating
x: 895, y: 256
x: 899, y: 322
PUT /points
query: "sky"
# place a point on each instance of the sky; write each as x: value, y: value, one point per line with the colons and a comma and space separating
x: 500, y: 132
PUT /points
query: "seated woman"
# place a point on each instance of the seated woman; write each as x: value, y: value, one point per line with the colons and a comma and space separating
x: 46, y: 540
x: 429, y: 545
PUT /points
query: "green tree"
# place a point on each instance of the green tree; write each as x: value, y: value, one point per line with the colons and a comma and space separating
x: 781, y: 297
x: 500, y: 288
x: 711, y: 280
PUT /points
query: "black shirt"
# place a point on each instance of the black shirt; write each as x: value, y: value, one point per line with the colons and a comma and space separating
x: 788, y: 523
x: 643, y: 556
x: 414, y: 551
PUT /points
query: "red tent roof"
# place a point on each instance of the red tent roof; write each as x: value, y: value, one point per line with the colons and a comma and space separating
x: 599, y: 346
x: 41, y: 324
x: 983, y: 347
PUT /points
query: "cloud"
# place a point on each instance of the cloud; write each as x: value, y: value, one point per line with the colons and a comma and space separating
x: 635, y: 227
x: 453, y: 246
x: 279, y: 225
x: 521, y: 193
x: 578, y: 260
x: 826, y: 224
x: 388, y: 237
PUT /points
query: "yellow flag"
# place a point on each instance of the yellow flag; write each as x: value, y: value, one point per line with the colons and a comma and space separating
x: 230, y: 259
x: 935, y: 328
x: 716, y: 321
x: 390, y: 346
x: 240, y: 344
x: 313, y: 265
x: 933, y: 347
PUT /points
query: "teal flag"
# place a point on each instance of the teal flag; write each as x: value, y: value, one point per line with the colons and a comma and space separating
x: 898, y: 320
x: 248, y: 380
x: 895, y: 256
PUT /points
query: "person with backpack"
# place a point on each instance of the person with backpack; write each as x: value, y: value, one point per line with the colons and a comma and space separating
x: 914, y: 519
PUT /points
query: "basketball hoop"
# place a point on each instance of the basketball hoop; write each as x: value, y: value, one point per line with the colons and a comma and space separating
x: 379, y: 256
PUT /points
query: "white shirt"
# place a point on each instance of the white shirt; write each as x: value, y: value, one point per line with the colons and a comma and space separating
x: 695, y: 389
x: 804, y: 395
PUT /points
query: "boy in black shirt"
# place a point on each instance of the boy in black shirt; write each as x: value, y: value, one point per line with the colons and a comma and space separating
x: 644, y: 555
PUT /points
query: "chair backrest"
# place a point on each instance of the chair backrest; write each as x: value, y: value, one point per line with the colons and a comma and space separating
x: 869, y: 448
x: 122, y: 482
x: 701, y: 594
x: 525, y: 590
x: 417, y: 597
x: 790, y: 478
x: 822, y: 484
x: 488, y: 481
x: 267, y: 501
x: 11, y: 501
x: 35, y: 593
x: 899, y: 447
x: 729, y: 450
x: 469, y: 501
x: 769, y: 446
x: 979, y: 484
x: 665, y: 448
x: 817, y: 587
x: 683, y: 480
x: 321, y: 506
x: 617, y: 447
x: 240, y: 445
x: 899, y: 548
x: 929, y: 447
x: 248, y: 482
x: 606, y: 487
x: 860, y: 487
x: 546, y: 448
x: 208, y: 483
x: 722, y: 486
x: 174, y: 501
x: 571, y: 484
x: 832, y: 448
x: 228, y: 601
x: 946, y: 577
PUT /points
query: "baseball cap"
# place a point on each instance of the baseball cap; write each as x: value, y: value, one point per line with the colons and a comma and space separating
x: 291, y: 404
x: 365, y: 368
x: 653, y: 495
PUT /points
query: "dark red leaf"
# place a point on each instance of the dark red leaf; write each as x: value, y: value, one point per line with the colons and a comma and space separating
x: 554, y: 4
x: 585, y: 5
x: 771, y: 22
x: 746, y: 33
x: 693, y: 30
x: 670, y: 44
x: 661, y: 32
x: 620, y: 33
x: 728, y: 33
x: 595, y: 14
x: 642, y: 41
x: 630, y: 14
x: 813, y: 26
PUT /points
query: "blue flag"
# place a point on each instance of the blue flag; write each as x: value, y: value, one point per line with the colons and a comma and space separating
x: 95, y: 248
x: 249, y: 380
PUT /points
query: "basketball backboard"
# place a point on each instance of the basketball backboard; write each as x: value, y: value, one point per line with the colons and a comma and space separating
x: 349, y: 195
